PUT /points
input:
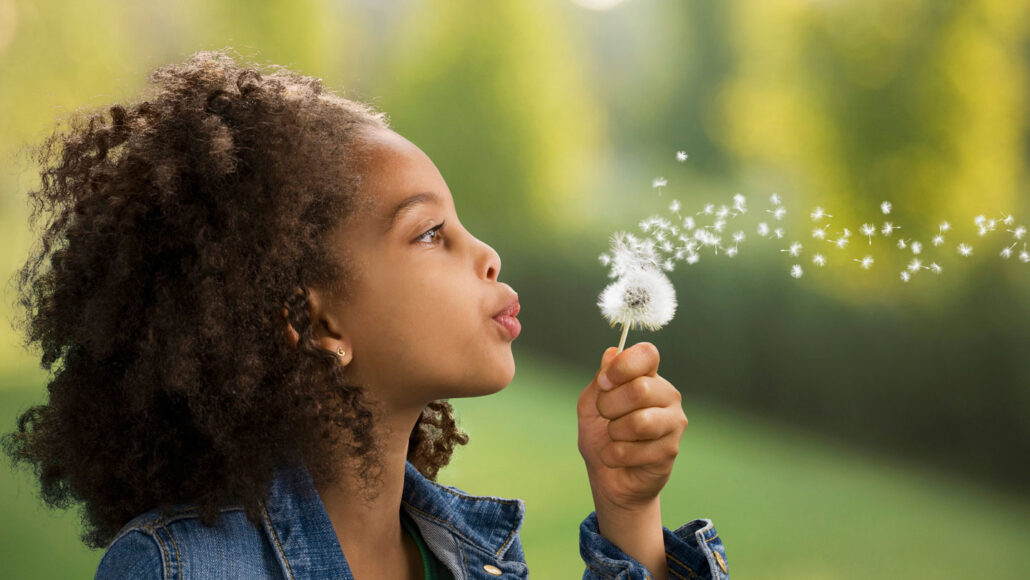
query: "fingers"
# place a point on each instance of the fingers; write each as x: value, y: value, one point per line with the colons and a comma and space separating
x: 638, y: 360
x: 658, y: 453
x: 648, y: 424
x: 641, y: 392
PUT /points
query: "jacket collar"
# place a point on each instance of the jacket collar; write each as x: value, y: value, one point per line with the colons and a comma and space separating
x: 299, y: 529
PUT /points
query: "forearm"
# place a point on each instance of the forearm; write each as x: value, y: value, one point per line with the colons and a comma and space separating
x: 638, y: 533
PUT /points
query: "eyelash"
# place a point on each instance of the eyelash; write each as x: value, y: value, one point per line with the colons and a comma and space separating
x: 433, y: 229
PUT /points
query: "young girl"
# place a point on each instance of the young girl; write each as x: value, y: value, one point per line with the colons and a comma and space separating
x: 258, y: 300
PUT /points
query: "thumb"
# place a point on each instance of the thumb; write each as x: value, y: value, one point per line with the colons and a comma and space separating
x: 606, y: 360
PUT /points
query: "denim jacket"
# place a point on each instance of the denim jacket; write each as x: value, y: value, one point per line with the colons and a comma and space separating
x: 474, y: 537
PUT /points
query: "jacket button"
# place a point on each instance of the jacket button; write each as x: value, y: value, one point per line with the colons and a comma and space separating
x: 492, y: 570
x: 720, y: 561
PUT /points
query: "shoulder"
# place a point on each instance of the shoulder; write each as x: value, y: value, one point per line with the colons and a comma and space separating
x: 177, y: 544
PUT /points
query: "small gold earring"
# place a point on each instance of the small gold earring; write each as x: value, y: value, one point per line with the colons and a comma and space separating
x: 340, y: 351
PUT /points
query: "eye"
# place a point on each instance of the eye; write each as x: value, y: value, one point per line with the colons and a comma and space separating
x: 433, y: 230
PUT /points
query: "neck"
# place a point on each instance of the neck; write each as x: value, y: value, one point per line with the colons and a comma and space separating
x: 364, y: 526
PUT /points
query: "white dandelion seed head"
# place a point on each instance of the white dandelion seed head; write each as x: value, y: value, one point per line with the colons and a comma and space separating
x: 888, y: 228
x: 796, y: 271
x: 674, y: 207
x: 722, y: 212
x: 681, y: 156
x: 740, y: 203
x: 630, y: 254
x: 841, y: 242
x: 819, y: 233
x: 666, y: 246
x: 719, y: 225
x: 731, y: 251
x: 885, y: 207
x: 938, y: 240
x: 738, y: 236
x: 709, y: 209
x: 868, y: 230
x: 667, y: 265
x: 819, y: 260
x: 642, y: 299
x: 915, y: 265
x: 794, y: 249
x: 680, y: 253
x: 645, y: 226
x: 775, y: 199
x: 980, y: 220
x: 965, y: 250
x: 1019, y: 233
x: 846, y: 233
x: 945, y: 226
x: 917, y: 247
x: 936, y: 268
x: 763, y: 229
x: 866, y: 262
x: 779, y: 212
x: 902, y: 244
x: 819, y: 213
x: 778, y: 232
x: 905, y: 276
x: 693, y: 258
x: 1006, y: 252
x: 1024, y: 256
x: 659, y: 182
x: 659, y: 237
x: 1007, y: 219
x: 689, y: 223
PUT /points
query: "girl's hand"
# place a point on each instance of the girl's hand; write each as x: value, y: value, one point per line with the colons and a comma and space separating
x: 630, y: 425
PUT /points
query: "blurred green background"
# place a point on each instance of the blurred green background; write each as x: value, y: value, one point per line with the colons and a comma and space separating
x: 842, y: 425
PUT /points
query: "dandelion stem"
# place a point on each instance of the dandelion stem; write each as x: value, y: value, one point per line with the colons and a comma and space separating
x: 622, y: 341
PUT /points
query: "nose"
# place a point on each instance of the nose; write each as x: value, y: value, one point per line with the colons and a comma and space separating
x: 490, y: 262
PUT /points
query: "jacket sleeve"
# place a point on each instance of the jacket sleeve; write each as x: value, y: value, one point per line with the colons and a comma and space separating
x: 694, y: 550
x: 136, y: 555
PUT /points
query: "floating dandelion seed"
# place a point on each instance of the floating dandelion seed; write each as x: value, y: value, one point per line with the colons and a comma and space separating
x: 1019, y: 233
x: 965, y: 250
x: 681, y: 156
x: 1007, y: 252
x: 605, y: 259
x: 841, y: 242
x: 659, y: 182
x: 763, y: 229
x: 885, y: 207
x: 796, y: 271
x: 708, y: 209
x: 688, y: 223
x: 693, y: 258
x: 868, y: 230
x: 774, y: 199
x: 643, y: 298
x: 794, y: 249
x: 738, y: 237
x: 935, y: 268
x: 740, y: 203
x: 1007, y: 219
x: 980, y: 220
x: 866, y: 262
x: 674, y: 207
x: 820, y: 233
x: 1024, y: 256
x: 778, y: 213
x: 819, y: 260
x: 915, y: 265
x: 888, y: 228
x: 902, y: 244
x: 723, y: 212
x: 718, y: 225
x: 731, y: 251
x: 819, y: 213
x: 778, y: 232
x: 945, y: 226
x: 917, y: 247
x: 667, y: 265
x: 938, y: 240
x: 645, y: 226
x: 905, y: 276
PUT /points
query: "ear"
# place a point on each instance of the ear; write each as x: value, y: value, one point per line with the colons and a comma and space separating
x: 325, y: 328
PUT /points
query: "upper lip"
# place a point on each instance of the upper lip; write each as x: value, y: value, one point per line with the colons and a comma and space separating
x: 511, y: 308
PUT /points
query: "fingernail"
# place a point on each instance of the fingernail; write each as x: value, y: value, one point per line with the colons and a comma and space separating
x: 604, y: 382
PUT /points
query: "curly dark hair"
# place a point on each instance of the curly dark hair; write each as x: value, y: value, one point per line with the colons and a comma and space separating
x: 176, y: 234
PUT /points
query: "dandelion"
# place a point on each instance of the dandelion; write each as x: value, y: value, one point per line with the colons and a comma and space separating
x: 738, y: 237
x: 681, y: 156
x: 1007, y: 219
x: 718, y: 225
x: 1024, y: 256
x: 1019, y: 233
x: 902, y: 244
x: 819, y: 260
x: 674, y: 207
x: 917, y: 247
x: 778, y: 213
x: 723, y: 212
x: 740, y: 203
x: 659, y: 182
x: 1007, y: 252
x: 905, y: 276
x: 708, y: 209
x: 935, y: 268
x: 775, y: 199
x: 731, y: 251
x: 980, y: 220
x: 778, y: 232
x: 965, y: 250
x: 763, y: 229
x: 841, y: 242
x: 645, y: 225
x: 888, y: 228
x: 666, y: 246
x: 667, y: 265
x: 938, y: 240
x: 868, y: 230
x: 643, y: 298
x: 796, y: 271
x: 693, y: 258
x: 885, y: 207
x: 820, y: 233
x: 945, y: 226
x: 915, y: 265
x: 688, y: 223
x: 794, y: 249
x: 866, y: 262
x: 819, y: 213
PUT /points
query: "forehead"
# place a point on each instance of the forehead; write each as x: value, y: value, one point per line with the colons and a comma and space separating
x: 393, y: 169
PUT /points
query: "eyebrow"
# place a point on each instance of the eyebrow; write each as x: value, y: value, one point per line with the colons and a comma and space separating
x: 409, y: 204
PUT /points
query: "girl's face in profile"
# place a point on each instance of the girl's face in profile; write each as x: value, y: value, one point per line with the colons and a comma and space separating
x: 418, y: 322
